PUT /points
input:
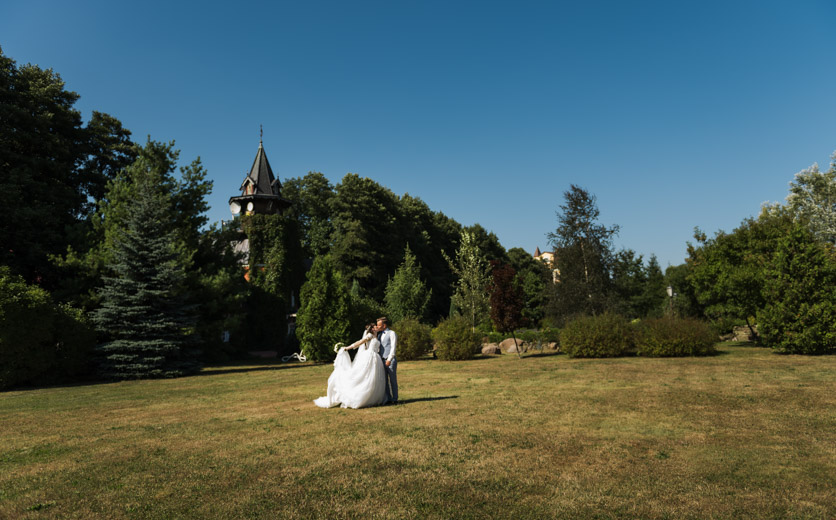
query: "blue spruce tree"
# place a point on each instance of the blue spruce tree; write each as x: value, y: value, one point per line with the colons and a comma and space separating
x: 144, y: 318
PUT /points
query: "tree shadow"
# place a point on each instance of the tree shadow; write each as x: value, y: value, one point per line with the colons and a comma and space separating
x: 205, y: 371
x: 251, y: 368
x: 542, y: 353
x: 420, y: 399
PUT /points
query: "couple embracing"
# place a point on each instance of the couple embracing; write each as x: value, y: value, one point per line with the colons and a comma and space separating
x: 372, y: 378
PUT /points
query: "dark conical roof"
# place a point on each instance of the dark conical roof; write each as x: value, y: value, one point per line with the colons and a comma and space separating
x: 537, y: 252
x: 261, y: 191
x: 262, y: 176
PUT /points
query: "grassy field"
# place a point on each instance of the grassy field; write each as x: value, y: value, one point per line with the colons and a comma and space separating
x: 744, y: 434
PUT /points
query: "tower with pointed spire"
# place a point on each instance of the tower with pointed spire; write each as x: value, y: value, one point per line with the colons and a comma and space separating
x: 261, y: 191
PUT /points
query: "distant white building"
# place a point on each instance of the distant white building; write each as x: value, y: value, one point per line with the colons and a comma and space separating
x: 548, y: 259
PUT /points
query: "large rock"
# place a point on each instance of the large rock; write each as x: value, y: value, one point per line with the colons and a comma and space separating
x: 507, y: 345
x: 491, y: 349
x: 743, y: 333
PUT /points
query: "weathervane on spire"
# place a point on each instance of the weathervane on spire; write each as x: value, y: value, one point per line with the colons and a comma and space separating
x: 260, y: 134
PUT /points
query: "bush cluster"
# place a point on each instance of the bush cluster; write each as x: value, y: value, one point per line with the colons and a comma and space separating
x: 40, y: 342
x: 414, y: 339
x: 673, y: 336
x: 455, y: 340
x: 604, y: 335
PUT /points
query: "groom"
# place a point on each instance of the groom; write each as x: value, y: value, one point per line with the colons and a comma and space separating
x: 388, y: 341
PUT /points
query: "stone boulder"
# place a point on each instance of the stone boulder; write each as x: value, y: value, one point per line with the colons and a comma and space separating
x: 507, y: 345
x: 490, y: 349
x: 743, y: 333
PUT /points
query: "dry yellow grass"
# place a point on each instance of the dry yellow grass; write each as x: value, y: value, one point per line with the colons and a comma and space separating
x: 745, y: 434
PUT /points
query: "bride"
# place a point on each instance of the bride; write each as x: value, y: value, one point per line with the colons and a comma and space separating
x: 361, y: 383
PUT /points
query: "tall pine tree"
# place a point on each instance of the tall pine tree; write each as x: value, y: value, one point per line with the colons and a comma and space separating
x: 323, y: 319
x: 407, y: 295
x: 143, y: 315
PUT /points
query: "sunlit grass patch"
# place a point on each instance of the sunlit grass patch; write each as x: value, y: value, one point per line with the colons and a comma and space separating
x: 744, y: 434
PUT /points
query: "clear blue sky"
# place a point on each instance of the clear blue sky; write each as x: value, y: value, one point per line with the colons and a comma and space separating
x: 674, y: 114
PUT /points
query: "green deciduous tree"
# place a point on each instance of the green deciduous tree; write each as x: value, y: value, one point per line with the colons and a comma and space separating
x: 311, y: 196
x: 366, y: 241
x: 54, y: 169
x: 144, y: 318
x: 108, y: 150
x: 506, y: 301
x: 471, y: 296
x: 40, y: 342
x: 534, y: 277
x: 222, y: 293
x: 276, y: 272
x: 406, y: 294
x: 812, y: 197
x: 323, y: 318
x: 41, y: 146
x: 727, y: 270
x: 488, y: 243
x: 799, y: 310
x: 685, y: 301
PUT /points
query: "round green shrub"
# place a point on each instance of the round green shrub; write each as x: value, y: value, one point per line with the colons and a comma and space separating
x: 414, y: 339
x: 40, y: 342
x: 455, y: 340
x: 800, y: 289
x: 550, y: 335
x: 529, y: 336
x: 673, y: 336
x: 604, y: 335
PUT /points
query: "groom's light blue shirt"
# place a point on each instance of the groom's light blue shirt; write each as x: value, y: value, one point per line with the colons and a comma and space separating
x: 388, y: 342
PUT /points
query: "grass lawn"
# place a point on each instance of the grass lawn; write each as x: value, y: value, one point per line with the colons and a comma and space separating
x: 744, y: 434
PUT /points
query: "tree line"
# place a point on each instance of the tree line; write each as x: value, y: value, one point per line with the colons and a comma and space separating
x: 108, y: 239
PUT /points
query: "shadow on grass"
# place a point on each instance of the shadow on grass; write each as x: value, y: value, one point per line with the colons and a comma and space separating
x: 541, y: 353
x: 245, y: 366
x: 402, y: 402
x: 226, y: 369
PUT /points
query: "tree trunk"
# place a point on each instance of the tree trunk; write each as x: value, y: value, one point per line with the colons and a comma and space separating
x: 752, y: 329
x: 516, y: 346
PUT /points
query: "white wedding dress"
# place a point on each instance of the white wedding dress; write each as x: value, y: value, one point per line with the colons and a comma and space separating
x: 356, y: 384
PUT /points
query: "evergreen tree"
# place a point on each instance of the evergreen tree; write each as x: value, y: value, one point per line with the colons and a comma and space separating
x: 471, y: 297
x: 155, y: 163
x: 406, y: 295
x: 583, y: 249
x: 323, y: 319
x: 629, y: 281
x: 363, y: 309
x: 147, y: 326
x: 654, y: 294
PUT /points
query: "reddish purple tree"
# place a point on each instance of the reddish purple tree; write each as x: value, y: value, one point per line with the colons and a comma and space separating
x: 506, y: 301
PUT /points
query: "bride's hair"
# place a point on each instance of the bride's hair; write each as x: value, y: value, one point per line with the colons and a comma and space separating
x: 370, y: 327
